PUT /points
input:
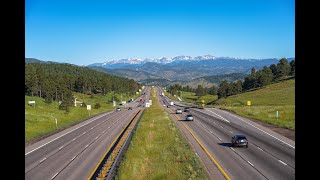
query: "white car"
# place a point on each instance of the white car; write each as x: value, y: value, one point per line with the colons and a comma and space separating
x: 189, y: 117
x: 179, y: 111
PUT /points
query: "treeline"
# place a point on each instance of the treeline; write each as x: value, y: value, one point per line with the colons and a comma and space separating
x: 200, y: 90
x: 56, y: 82
x: 257, y: 79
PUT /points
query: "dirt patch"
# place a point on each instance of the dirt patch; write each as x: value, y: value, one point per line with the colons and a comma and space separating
x: 280, y: 130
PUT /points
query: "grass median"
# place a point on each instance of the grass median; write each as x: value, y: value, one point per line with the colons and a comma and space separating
x: 158, y: 150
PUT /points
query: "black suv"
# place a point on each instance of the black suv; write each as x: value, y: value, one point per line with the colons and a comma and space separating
x: 130, y: 108
x: 239, y: 140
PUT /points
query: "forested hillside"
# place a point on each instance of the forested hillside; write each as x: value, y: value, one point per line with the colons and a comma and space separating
x: 56, y: 82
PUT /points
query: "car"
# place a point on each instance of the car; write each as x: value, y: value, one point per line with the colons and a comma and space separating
x: 130, y: 108
x: 179, y: 111
x: 168, y: 106
x: 118, y: 109
x: 164, y: 105
x: 186, y: 110
x: 189, y: 117
x: 239, y: 140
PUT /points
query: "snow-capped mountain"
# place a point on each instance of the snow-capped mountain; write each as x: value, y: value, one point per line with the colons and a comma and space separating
x: 162, y: 60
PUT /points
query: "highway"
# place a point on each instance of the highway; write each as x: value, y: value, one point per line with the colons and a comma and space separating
x: 74, y: 152
x: 269, y: 155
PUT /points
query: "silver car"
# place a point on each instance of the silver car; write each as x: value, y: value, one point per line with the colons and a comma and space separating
x: 189, y: 117
x: 179, y: 111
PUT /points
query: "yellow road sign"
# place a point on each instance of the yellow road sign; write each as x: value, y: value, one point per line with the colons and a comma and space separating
x: 249, y: 103
x: 202, y: 101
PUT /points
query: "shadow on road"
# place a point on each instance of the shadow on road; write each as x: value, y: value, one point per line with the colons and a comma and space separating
x: 225, y: 144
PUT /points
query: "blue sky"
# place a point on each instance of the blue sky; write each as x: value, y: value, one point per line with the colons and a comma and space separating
x: 87, y: 31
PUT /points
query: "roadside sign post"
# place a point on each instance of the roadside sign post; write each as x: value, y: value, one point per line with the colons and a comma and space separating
x: 249, y: 104
x: 56, y: 123
x: 32, y: 102
x: 277, y: 114
x: 89, y: 108
x: 202, y: 103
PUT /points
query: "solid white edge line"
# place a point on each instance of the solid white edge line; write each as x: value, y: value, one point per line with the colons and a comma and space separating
x: 260, y: 148
x: 67, y: 133
x: 263, y: 131
x: 218, y: 116
x: 250, y: 163
x: 61, y: 147
x: 73, y: 158
x: 74, y: 139
x: 232, y: 149
x: 282, y: 162
x: 54, y: 175
x: 86, y: 146
x: 43, y: 159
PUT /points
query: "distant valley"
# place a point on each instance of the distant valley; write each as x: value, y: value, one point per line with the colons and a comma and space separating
x: 184, y: 70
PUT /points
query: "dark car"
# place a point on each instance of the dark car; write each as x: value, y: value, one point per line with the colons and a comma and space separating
x: 186, y: 110
x: 168, y: 106
x: 130, y: 108
x: 239, y: 140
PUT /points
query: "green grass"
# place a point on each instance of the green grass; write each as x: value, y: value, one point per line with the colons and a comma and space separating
x: 264, y: 104
x: 158, y: 150
x: 40, y: 119
x: 192, y: 98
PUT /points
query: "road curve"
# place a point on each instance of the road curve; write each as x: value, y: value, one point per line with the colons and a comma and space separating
x: 269, y: 155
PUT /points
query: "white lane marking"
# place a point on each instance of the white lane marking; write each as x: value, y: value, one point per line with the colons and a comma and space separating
x: 282, y: 162
x: 259, y: 148
x: 91, y: 128
x: 74, y: 139
x: 218, y: 116
x: 232, y: 149
x: 73, y: 158
x: 250, y: 163
x: 84, y: 132
x: 86, y: 146
x: 61, y: 147
x: 96, y: 138
x: 219, y: 139
x: 66, y: 133
x: 103, y: 131
x: 54, y: 175
x: 43, y: 160
x: 262, y: 131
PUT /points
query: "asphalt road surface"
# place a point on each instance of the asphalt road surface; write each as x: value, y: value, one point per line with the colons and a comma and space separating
x: 74, y: 152
x: 269, y: 155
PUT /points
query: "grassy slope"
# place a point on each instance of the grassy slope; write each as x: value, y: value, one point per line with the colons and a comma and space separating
x: 265, y: 102
x: 40, y: 120
x: 192, y: 98
x: 158, y: 150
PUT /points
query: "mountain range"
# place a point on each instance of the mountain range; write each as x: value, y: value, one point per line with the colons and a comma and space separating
x: 184, y: 70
